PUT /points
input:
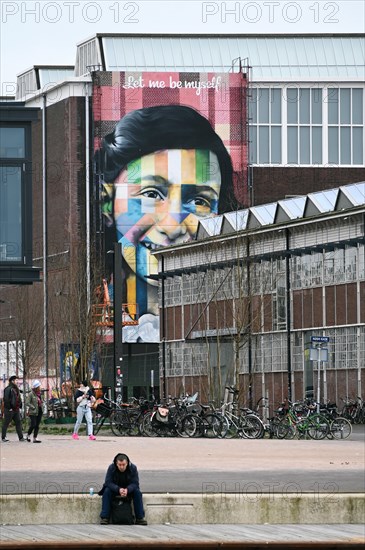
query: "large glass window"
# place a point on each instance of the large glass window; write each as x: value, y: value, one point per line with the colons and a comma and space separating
x: 345, y: 126
x: 12, y: 143
x: 265, y: 129
x: 12, y: 155
x: 307, y: 126
x: 304, y: 119
x: 10, y: 213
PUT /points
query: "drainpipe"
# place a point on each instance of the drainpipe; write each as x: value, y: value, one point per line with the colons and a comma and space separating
x: 288, y: 315
x: 87, y: 198
x: 249, y: 293
x: 163, y: 320
x: 44, y: 217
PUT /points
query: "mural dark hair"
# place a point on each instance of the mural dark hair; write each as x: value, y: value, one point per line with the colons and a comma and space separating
x: 145, y: 131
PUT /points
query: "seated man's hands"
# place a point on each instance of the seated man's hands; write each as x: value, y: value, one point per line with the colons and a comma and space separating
x: 123, y: 492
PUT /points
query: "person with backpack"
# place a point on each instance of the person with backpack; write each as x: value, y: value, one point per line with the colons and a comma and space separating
x: 12, y: 407
x: 84, y: 398
x: 121, y: 480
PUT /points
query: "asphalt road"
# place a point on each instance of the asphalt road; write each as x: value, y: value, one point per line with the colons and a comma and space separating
x: 195, y: 481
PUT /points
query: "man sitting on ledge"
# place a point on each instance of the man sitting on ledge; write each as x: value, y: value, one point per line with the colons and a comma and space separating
x: 121, y: 480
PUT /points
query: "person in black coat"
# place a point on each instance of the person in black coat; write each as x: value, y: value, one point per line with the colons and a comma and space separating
x: 12, y: 406
x: 121, y: 480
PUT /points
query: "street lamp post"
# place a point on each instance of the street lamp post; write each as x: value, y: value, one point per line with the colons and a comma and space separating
x: 118, y: 280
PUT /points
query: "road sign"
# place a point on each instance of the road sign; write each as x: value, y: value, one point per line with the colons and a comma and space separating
x: 318, y: 354
x: 320, y: 338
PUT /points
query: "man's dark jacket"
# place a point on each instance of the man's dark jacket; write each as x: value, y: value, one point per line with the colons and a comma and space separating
x: 132, y: 479
x: 12, y: 398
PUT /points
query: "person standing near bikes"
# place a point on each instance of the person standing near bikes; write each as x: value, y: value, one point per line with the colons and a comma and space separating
x: 84, y: 398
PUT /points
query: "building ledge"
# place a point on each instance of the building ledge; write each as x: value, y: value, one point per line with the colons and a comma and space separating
x: 15, y: 275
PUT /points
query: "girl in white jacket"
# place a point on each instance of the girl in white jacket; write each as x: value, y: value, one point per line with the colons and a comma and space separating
x: 84, y: 398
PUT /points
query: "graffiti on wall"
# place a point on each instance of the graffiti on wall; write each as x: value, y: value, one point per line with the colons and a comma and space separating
x: 170, y: 150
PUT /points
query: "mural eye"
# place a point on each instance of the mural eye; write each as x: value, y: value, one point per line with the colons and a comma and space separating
x: 201, y: 201
x: 152, y: 194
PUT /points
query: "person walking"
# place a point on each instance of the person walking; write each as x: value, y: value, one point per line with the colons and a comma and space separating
x: 12, y: 406
x: 84, y: 398
x: 122, y: 480
x: 35, y: 411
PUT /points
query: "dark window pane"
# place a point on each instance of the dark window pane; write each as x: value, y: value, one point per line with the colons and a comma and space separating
x: 345, y: 117
x: 12, y: 143
x: 332, y: 99
x: 357, y: 106
x: 253, y: 144
x: 304, y: 106
x: 264, y: 145
x: 264, y: 105
x: 292, y: 105
x: 10, y: 213
x: 293, y: 145
x: 252, y: 106
x: 275, y: 145
x: 357, y: 145
x: 304, y: 145
x: 317, y: 106
x: 333, y: 145
x: 316, y: 145
x: 276, y: 105
x: 345, y: 145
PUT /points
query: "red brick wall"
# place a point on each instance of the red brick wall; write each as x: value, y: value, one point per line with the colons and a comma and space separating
x: 273, y: 183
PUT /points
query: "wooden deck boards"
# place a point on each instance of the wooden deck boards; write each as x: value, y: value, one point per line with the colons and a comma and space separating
x: 179, y: 533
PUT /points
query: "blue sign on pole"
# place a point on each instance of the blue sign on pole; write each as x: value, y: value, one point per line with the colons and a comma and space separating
x: 320, y: 339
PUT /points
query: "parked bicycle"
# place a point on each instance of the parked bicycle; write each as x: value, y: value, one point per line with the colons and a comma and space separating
x: 340, y: 427
x: 353, y: 410
x: 170, y: 419
x: 301, y: 421
x: 245, y: 424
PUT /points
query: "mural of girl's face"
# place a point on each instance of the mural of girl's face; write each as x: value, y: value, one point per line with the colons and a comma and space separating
x: 159, y: 200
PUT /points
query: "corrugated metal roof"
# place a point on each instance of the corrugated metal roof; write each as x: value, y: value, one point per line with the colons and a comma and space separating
x: 272, y: 213
x: 282, y: 58
x: 53, y: 75
x: 355, y: 193
x: 290, y: 209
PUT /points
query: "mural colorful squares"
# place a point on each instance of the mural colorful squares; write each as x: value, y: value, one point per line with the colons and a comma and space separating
x: 170, y: 150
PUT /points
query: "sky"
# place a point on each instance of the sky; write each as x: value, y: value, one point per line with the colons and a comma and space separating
x: 46, y: 32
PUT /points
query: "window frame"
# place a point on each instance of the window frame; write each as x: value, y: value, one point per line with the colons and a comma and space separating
x: 24, y: 163
x: 325, y: 126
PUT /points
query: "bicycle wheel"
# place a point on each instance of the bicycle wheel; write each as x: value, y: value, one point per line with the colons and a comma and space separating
x: 302, y: 429
x: 340, y: 428
x: 318, y: 426
x: 233, y: 430
x: 98, y: 424
x: 272, y: 426
x: 212, y: 425
x: 134, y: 423
x: 145, y: 425
x: 187, y: 426
x: 251, y: 426
x: 117, y: 423
x: 284, y: 429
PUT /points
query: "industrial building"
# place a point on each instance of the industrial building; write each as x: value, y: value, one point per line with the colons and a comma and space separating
x: 305, y: 133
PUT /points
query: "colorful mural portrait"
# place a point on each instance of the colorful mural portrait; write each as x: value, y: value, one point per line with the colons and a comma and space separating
x: 162, y: 169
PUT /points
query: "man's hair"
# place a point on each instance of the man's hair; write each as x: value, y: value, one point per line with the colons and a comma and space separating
x: 151, y: 129
x: 120, y: 457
